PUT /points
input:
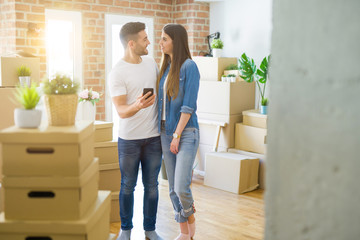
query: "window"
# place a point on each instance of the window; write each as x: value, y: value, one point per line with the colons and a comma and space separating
x: 115, y: 51
x: 63, y: 43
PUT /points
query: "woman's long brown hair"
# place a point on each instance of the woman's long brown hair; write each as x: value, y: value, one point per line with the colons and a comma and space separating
x: 181, y: 52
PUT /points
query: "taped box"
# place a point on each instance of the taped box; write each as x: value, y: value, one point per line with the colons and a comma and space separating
x: 103, y: 131
x: 95, y: 225
x: 107, y: 152
x: 251, y: 139
x: 50, y: 198
x: 110, y: 177
x: 9, y: 64
x: 47, y: 150
x: 231, y: 172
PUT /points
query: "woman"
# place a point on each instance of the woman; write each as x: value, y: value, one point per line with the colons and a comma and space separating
x: 178, y: 86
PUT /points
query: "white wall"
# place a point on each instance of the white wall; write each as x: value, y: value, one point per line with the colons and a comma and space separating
x: 313, y: 158
x: 244, y: 26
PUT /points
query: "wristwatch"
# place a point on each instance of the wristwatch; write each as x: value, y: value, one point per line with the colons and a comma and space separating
x: 175, y: 135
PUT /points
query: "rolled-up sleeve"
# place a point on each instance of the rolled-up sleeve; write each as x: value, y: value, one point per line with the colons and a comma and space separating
x: 192, y: 81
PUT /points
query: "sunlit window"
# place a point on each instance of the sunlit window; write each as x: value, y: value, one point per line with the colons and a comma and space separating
x: 63, y: 43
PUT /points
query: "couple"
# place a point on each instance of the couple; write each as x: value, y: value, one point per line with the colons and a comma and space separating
x: 152, y: 125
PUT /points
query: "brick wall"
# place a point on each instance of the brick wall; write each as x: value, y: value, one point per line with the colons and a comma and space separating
x: 16, y: 16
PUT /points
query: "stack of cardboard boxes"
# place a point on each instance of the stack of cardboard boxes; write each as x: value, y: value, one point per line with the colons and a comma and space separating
x: 50, y: 185
x: 220, y: 102
x: 110, y: 177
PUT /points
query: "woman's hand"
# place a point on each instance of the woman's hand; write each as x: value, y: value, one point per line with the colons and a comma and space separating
x: 174, y: 145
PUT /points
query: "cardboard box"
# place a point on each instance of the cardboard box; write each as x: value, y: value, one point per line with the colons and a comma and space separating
x: 107, y: 152
x: 208, y: 131
x: 254, y: 118
x: 250, y: 139
x: 7, y: 106
x: 261, y: 158
x: 110, y: 177
x: 1, y: 199
x: 48, y: 150
x: 103, y: 131
x: 225, y: 97
x: 51, y: 198
x: 231, y: 172
x: 201, y: 153
x: 94, y: 225
x: 115, y: 207
x: 211, y: 68
x: 8, y: 66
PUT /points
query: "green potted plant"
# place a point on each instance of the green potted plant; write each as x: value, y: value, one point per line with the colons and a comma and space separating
x: 224, y: 78
x: 61, y: 100
x: 217, y: 46
x: 231, y: 77
x: 250, y: 73
x: 24, y: 74
x: 28, y: 116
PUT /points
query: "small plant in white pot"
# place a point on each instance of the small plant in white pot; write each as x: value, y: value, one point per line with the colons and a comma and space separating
x: 217, y: 46
x: 24, y: 74
x: 87, y: 105
x: 249, y: 73
x: 28, y: 116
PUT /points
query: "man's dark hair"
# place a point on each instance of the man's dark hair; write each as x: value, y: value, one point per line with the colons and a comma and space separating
x: 129, y: 32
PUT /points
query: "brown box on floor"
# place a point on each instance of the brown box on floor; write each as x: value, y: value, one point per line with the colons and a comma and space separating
x: 107, y: 152
x: 50, y: 198
x: 47, y: 150
x: 115, y: 208
x: 110, y: 177
x: 103, y: 131
x: 250, y: 139
x: 254, y: 118
x: 211, y: 68
x: 94, y: 225
x: 231, y: 172
x: 8, y: 66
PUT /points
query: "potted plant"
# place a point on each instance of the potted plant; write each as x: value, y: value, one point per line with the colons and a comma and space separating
x: 28, y: 116
x: 60, y: 100
x: 249, y: 73
x: 24, y: 74
x: 217, y: 46
x: 224, y: 78
x: 87, y: 108
x: 231, y: 78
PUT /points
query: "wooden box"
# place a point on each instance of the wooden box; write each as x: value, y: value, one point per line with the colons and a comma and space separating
x: 254, y: 118
x: 231, y: 172
x: 8, y: 66
x: 51, y: 198
x: 107, y: 152
x: 225, y: 97
x: 103, y: 131
x: 48, y: 150
x: 115, y: 207
x: 95, y: 225
x: 211, y: 69
x: 251, y: 139
x: 110, y: 177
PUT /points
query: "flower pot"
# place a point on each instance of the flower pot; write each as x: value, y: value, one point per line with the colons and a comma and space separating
x: 27, y: 118
x: 25, y: 80
x: 61, y: 109
x: 263, y: 109
x: 86, y: 111
x: 224, y: 79
x: 216, y: 52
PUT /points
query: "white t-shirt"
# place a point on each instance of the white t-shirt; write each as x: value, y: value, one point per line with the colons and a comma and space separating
x: 130, y: 79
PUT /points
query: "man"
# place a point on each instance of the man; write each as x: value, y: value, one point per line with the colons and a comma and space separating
x: 139, y: 140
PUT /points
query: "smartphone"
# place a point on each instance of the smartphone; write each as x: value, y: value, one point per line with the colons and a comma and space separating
x: 146, y: 90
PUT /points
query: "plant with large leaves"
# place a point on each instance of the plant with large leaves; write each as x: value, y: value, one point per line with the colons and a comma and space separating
x: 250, y: 73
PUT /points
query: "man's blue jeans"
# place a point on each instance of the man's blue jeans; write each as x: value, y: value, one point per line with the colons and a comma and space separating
x: 131, y: 154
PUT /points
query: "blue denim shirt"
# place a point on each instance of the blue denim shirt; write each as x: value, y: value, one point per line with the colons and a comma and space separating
x: 185, y: 101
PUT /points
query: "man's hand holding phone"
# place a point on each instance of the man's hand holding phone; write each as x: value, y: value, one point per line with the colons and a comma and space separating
x: 146, y: 99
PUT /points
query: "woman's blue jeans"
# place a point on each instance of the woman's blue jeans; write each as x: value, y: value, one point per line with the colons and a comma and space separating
x: 131, y: 154
x: 179, y: 171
